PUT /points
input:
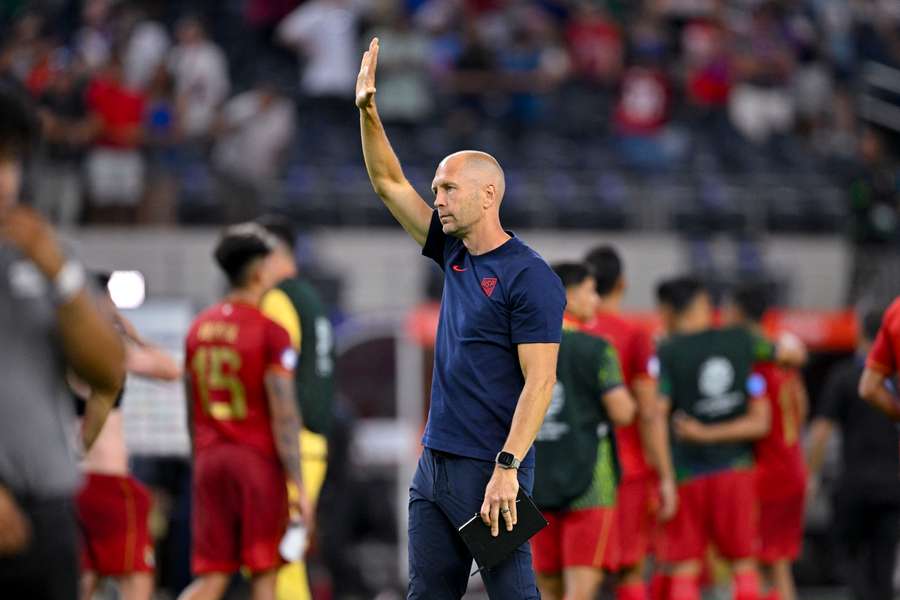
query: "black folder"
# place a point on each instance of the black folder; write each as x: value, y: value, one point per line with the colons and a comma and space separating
x: 490, y: 551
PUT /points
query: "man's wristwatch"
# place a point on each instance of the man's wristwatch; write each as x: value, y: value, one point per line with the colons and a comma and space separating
x: 505, y: 460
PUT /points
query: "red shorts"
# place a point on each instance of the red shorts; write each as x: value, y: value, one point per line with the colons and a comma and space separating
x: 240, y: 510
x: 113, y: 512
x: 576, y: 538
x: 636, y: 506
x: 781, y: 528
x: 722, y: 509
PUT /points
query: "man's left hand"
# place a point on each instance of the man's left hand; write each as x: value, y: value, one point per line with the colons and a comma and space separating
x: 500, y: 499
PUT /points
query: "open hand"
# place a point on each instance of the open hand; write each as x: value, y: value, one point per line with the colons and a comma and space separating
x: 365, y: 81
x: 500, y: 500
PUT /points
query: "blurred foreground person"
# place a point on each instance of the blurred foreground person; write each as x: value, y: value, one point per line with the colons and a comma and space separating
x: 114, y: 507
x: 780, y: 468
x: 867, y: 496
x: 49, y: 322
x: 244, y: 426
x: 495, y: 359
x: 647, y: 491
x: 576, y: 473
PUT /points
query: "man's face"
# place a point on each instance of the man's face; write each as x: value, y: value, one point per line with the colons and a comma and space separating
x: 457, y: 198
x: 582, y: 300
x: 10, y: 183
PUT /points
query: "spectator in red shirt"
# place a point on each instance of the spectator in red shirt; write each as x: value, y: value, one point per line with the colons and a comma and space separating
x: 115, y: 167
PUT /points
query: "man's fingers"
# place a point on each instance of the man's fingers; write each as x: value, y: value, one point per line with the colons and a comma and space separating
x: 485, y: 513
x: 513, y: 513
x: 506, y: 511
x: 495, y: 518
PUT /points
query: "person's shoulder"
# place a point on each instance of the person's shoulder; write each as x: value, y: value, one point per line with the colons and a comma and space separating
x: 892, y: 314
x: 525, y: 260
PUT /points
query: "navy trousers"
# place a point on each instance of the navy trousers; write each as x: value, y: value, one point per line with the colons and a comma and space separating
x: 446, y: 491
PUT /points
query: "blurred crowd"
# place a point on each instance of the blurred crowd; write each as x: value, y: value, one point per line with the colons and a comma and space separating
x: 148, y: 105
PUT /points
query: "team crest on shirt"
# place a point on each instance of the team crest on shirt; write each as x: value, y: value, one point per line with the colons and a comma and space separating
x: 716, y: 376
x: 488, y: 284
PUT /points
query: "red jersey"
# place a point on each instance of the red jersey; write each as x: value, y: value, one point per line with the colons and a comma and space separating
x: 780, y: 468
x: 229, y: 349
x: 886, y: 349
x: 635, y: 350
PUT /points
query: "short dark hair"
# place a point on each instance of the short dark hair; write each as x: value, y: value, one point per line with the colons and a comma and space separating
x: 239, y: 247
x: 753, y: 299
x: 679, y: 292
x: 18, y: 126
x: 871, y: 323
x: 571, y: 273
x: 281, y: 227
x: 607, y: 266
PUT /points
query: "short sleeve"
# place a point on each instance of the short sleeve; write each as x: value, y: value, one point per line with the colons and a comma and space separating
x: 881, y: 357
x: 834, y: 396
x: 763, y: 349
x: 436, y: 241
x: 642, y: 355
x: 280, y: 353
x: 609, y: 374
x: 537, y: 304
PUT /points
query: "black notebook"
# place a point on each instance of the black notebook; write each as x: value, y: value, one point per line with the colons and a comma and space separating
x: 490, y: 551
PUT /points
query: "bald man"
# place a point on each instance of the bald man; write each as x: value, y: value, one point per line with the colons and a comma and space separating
x: 495, y: 360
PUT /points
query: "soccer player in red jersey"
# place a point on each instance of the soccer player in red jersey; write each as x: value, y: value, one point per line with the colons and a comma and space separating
x: 244, y: 428
x: 647, y: 490
x: 882, y: 363
x: 780, y: 468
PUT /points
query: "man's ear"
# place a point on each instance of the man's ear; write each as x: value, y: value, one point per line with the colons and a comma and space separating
x: 490, y: 195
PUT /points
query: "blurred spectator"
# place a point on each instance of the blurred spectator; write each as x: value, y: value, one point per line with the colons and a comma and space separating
x: 761, y: 104
x: 867, y: 497
x: 115, y: 166
x: 644, y: 107
x: 404, y: 93
x: 595, y: 45
x: 323, y: 33
x: 58, y: 188
x: 200, y: 72
x: 470, y: 82
x: 162, y: 137
x: 253, y: 132
x: 875, y: 192
x: 145, y: 50
x: 93, y: 41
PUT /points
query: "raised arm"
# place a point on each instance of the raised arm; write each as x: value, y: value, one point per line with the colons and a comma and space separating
x: 91, y: 345
x: 285, y: 421
x: 382, y: 164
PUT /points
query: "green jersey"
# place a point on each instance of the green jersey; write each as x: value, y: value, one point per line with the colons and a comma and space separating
x: 575, y: 459
x: 708, y: 375
x: 296, y: 306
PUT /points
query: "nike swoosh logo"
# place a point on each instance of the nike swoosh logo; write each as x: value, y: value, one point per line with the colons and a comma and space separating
x: 458, y: 269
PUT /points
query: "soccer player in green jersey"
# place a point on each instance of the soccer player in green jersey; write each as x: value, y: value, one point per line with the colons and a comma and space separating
x: 576, y: 473
x: 718, y: 409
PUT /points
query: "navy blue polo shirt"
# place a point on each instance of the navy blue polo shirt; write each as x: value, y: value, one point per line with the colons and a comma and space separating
x: 492, y: 302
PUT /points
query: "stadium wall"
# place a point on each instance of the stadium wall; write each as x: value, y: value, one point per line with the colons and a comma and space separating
x: 381, y: 269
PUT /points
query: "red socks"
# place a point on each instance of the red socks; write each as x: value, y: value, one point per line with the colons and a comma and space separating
x: 631, y: 591
x: 746, y: 586
x: 659, y: 586
x: 685, y: 588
